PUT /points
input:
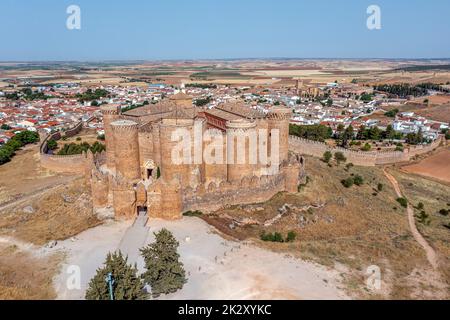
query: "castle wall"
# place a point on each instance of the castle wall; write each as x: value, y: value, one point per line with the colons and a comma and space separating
x: 124, y: 202
x: 216, y: 172
x: 212, y: 196
x: 65, y: 164
x: 99, y: 190
x: 360, y: 158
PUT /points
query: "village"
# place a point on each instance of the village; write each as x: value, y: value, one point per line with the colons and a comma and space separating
x: 50, y: 108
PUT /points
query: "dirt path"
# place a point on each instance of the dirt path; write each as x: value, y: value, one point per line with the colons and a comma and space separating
x: 431, y: 254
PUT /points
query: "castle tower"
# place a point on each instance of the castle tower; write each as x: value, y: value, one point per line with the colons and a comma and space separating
x: 278, y: 118
x: 126, y: 149
x: 176, y: 168
x: 241, y: 146
x: 110, y: 114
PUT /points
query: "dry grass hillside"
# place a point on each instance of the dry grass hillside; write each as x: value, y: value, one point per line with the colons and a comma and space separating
x: 59, y: 214
x: 24, y: 276
x: 346, y: 228
x: 435, y: 197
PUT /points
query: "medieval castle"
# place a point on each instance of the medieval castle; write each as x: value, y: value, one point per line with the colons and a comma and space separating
x: 139, y: 174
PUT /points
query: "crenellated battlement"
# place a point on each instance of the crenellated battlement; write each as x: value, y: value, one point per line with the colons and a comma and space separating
x: 123, y: 126
x: 110, y: 109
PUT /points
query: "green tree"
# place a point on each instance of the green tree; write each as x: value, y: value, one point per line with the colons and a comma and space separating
x: 127, y: 284
x: 391, y: 113
x: 366, y: 97
x: 311, y: 132
x: 389, y: 133
x: 345, y: 135
x: 165, y: 273
x: 5, y: 127
x: 52, y: 144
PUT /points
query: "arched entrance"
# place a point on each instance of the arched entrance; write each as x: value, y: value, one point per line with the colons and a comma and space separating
x: 142, y: 211
x: 149, y: 170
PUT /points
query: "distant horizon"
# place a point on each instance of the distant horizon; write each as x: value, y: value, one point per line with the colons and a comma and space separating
x: 220, y: 59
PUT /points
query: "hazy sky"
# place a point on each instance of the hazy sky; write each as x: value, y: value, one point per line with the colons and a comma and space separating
x: 183, y: 29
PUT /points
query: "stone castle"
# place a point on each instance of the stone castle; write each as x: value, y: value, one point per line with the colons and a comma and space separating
x: 139, y: 175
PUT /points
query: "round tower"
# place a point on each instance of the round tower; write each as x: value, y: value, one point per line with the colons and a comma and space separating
x: 241, y: 149
x: 278, y: 119
x: 110, y: 114
x: 126, y: 149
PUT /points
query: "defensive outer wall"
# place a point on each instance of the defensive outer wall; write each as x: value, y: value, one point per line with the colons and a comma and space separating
x: 361, y: 158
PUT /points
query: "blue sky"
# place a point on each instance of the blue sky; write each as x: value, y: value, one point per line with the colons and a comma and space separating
x: 214, y: 29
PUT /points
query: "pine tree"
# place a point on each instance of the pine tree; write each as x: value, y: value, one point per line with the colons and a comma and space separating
x: 165, y: 274
x: 127, y: 284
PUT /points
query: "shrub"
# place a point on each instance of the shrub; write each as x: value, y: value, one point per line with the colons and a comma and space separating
x: 380, y: 187
x: 348, y: 166
x: 327, y: 156
x: 272, y: 237
x: 78, y: 138
x: 291, y: 236
x: 420, y: 206
x: 403, y: 202
x: 348, y: 182
x: 339, y: 157
x: 424, y: 218
x: 444, y: 212
x: 358, y: 180
x: 190, y: 213
x: 366, y: 147
x: 158, y: 173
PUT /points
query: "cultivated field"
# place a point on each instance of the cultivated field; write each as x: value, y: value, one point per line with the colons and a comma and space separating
x: 437, y: 166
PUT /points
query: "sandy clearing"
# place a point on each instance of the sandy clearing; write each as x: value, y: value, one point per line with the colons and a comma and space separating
x: 216, y: 268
